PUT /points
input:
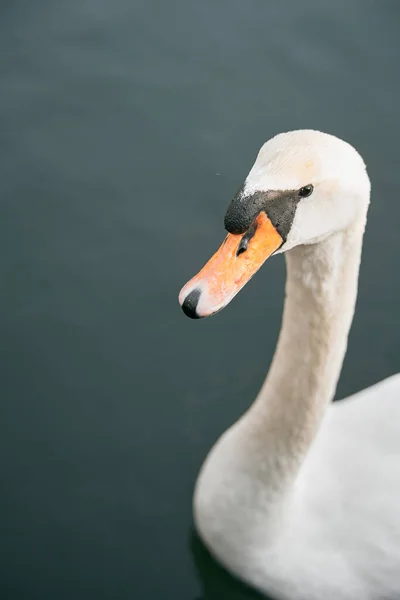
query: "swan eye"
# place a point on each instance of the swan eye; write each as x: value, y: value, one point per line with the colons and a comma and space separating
x: 305, y: 191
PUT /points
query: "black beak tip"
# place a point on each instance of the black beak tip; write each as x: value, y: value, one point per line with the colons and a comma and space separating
x: 190, y: 304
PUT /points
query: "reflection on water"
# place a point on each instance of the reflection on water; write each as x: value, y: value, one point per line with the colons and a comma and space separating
x: 216, y: 583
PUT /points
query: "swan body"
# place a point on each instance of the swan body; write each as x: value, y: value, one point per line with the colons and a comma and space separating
x: 337, y: 537
x: 301, y: 497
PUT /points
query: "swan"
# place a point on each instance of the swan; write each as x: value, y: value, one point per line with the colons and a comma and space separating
x: 300, y: 498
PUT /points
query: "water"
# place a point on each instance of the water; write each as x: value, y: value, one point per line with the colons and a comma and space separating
x: 126, y: 128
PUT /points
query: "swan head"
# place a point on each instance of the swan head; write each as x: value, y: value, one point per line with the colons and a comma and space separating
x: 304, y: 186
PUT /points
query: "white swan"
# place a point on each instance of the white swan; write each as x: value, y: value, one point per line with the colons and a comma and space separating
x: 301, y: 497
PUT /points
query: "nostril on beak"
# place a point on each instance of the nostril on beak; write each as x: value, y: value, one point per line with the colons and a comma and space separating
x: 190, y: 304
x: 244, y: 242
x: 242, y: 246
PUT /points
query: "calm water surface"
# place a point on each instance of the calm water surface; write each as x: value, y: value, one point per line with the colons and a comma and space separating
x: 126, y: 127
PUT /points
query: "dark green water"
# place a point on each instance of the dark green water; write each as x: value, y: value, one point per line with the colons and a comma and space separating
x: 126, y: 127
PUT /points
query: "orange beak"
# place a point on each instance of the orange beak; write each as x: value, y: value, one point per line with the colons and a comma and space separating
x: 231, y: 267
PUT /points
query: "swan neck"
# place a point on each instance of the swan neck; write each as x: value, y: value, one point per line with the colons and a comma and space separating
x: 321, y: 292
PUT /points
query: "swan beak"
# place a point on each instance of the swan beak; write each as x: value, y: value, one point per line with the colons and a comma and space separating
x: 231, y: 267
